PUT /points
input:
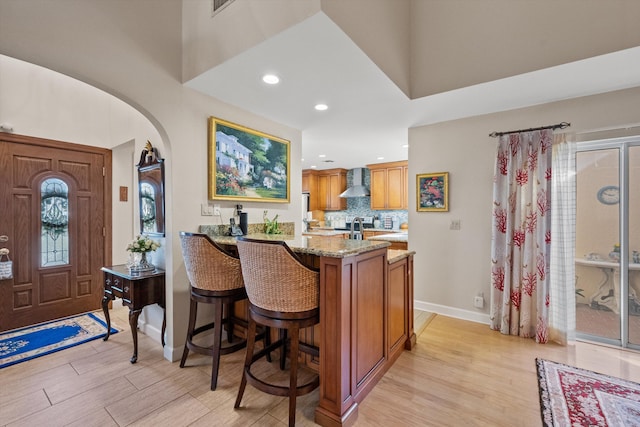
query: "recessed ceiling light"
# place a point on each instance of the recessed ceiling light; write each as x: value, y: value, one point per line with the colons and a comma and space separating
x: 321, y: 107
x: 322, y: 155
x: 313, y: 166
x: 270, y: 79
x: 380, y: 158
x: 302, y: 160
x: 405, y: 146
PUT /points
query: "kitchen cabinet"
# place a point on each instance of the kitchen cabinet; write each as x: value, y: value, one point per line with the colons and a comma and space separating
x: 324, y: 188
x: 399, y: 296
x: 399, y: 245
x: 397, y: 240
x: 370, y: 233
x: 389, y: 185
x: 310, y: 185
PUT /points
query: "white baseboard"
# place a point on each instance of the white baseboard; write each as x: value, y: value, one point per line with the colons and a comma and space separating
x: 452, y: 312
x: 172, y: 354
x: 149, y: 330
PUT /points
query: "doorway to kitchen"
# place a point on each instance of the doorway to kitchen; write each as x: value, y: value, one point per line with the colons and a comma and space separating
x: 608, y: 241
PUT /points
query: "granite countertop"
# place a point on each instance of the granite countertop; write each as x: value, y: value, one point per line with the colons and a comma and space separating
x: 333, y: 248
x: 388, y: 230
x: 324, y: 232
x: 391, y: 237
x: 394, y: 255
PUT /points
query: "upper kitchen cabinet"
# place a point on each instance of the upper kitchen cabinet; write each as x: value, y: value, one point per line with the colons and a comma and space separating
x: 389, y: 185
x: 310, y: 185
x: 324, y: 188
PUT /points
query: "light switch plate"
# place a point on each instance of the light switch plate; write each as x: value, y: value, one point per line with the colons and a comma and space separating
x: 206, y: 210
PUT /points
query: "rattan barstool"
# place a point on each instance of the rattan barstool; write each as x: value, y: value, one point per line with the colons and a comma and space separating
x: 216, y: 278
x: 284, y: 294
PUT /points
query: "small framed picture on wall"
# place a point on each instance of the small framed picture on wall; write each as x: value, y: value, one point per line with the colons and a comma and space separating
x: 432, y: 192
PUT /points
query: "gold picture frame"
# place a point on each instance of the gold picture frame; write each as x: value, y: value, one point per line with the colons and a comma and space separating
x: 432, y: 192
x: 246, y: 164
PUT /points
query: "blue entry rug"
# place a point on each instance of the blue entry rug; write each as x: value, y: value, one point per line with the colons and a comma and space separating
x: 28, y: 343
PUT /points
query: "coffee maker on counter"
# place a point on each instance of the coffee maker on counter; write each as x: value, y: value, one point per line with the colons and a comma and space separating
x: 243, y: 218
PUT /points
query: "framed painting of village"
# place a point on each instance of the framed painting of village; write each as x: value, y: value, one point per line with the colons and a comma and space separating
x: 245, y: 164
x: 433, y: 192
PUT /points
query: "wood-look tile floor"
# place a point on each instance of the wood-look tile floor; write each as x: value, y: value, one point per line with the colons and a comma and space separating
x: 460, y: 373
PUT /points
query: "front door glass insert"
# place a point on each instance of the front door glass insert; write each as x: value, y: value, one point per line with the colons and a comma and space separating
x: 54, y: 217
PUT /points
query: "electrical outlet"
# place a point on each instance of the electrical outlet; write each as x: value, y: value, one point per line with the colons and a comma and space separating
x: 455, y: 224
x: 206, y: 210
x: 478, y: 302
x: 216, y: 210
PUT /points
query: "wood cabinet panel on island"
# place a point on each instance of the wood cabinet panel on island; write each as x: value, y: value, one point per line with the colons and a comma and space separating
x: 324, y: 188
x: 389, y: 185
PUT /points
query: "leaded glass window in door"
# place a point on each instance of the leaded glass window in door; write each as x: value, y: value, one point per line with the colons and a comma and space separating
x: 54, y: 216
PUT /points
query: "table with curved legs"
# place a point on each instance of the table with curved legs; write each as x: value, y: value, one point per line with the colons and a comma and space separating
x: 608, y: 292
x: 137, y: 291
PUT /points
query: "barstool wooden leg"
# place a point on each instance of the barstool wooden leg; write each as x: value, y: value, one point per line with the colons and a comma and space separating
x: 217, y: 342
x: 267, y: 341
x: 251, y: 340
x: 283, y: 350
x: 228, y: 310
x: 193, y: 311
x: 293, y: 374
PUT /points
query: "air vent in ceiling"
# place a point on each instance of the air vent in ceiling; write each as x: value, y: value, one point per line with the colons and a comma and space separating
x: 218, y: 5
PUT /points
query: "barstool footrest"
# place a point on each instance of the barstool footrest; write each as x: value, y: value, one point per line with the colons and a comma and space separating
x: 208, y: 351
x: 281, y: 390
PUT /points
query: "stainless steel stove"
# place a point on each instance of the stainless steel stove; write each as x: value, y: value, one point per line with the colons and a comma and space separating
x: 367, y: 222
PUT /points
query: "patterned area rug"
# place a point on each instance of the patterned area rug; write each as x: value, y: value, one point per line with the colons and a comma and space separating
x: 28, y: 343
x: 571, y: 396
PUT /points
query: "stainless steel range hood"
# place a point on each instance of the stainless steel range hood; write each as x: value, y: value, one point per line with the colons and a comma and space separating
x: 356, y: 189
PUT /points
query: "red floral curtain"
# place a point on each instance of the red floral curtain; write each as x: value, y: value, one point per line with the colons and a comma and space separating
x: 521, y: 235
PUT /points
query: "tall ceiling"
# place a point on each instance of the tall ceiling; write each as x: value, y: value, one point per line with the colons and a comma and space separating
x: 369, y: 116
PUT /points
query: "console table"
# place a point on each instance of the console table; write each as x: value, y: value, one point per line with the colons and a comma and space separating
x: 608, y: 292
x: 137, y: 291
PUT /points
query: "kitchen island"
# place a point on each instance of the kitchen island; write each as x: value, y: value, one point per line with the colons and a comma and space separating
x: 366, y: 317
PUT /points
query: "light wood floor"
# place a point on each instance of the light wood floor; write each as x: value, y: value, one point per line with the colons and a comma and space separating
x: 460, y: 373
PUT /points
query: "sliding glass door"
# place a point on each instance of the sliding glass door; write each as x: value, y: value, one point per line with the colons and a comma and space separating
x: 634, y: 246
x: 608, y: 241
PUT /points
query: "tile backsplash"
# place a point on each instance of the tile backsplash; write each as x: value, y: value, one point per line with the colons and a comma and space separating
x: 361, y: 206
x: 225, y: 229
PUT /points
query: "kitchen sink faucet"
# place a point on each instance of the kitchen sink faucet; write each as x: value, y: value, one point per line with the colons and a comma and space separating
x: 352, y: 235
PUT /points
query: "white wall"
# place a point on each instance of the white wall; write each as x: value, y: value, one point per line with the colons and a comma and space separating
x: 451, y: 267
x: 432, y: 46
x: 521, y: 36
x: 381, y: 28
x: 211, y: 41
x: 139, y: 61
x: 38, y: 102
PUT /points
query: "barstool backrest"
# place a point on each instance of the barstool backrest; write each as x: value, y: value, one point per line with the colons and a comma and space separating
x: 275, y: 278
x: 208, y: 265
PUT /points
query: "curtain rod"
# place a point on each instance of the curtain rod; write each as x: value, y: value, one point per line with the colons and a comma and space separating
x: 561, y: 125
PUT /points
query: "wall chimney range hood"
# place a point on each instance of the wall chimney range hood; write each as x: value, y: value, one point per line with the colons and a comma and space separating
x: 356, y: 189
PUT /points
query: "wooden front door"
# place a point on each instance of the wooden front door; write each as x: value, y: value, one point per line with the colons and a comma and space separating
x: 54, y: 207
